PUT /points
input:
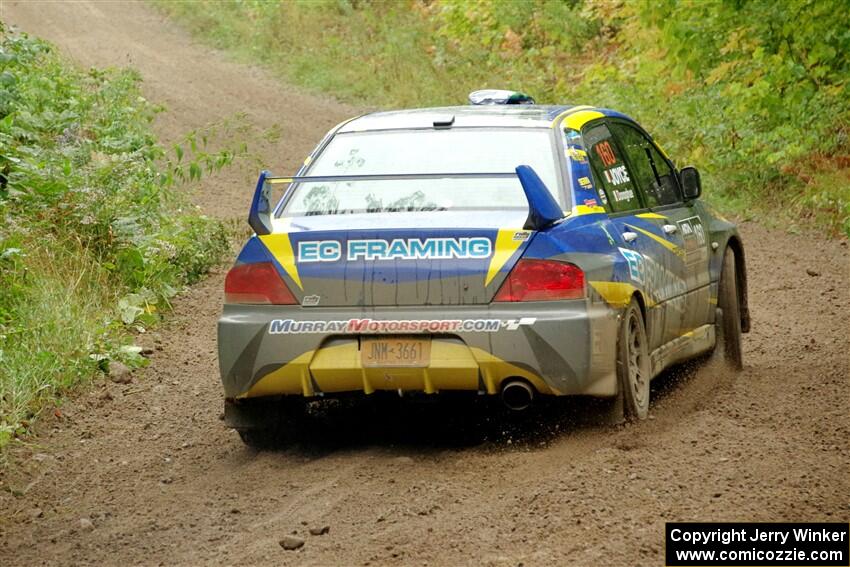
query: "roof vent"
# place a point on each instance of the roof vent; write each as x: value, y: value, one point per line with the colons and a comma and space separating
x: 495, y: 96
x: 444, y: 121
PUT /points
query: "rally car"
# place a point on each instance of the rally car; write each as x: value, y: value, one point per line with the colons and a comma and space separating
x: 502, y: 248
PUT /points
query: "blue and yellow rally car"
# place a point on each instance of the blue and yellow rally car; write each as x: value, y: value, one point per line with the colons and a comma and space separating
x: 503, y: 248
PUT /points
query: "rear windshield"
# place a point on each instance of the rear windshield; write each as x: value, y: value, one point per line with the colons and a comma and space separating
x: 496, y: 150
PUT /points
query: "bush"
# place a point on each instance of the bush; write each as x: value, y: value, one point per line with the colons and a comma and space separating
x: 753, y: 92
x: 91, y: 237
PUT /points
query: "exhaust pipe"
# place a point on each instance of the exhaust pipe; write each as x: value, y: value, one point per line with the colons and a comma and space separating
x: 517, y: 395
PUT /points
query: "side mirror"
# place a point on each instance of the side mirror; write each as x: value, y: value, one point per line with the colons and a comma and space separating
x: 691, y: 184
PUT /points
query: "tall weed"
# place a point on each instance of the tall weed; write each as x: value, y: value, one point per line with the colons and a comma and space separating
x: 93, y: 238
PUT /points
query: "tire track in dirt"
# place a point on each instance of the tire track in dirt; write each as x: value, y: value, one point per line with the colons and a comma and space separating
x: 163, y: 482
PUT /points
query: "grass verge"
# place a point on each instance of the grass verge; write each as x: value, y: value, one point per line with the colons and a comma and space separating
x: 94, y: 240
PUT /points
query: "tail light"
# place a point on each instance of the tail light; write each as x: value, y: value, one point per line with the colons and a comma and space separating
x: 542, y: 280
x: 258, y: 284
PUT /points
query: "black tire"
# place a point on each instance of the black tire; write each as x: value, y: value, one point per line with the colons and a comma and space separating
x: 275, y: 424
x: 728, y: 318
x: 633, y: 365
x: 260, y: 438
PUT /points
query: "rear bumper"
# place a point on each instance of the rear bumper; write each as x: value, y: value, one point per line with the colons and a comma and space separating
x: 561, y: 348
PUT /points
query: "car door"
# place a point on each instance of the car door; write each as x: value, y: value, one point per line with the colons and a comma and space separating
x: 639, y: 239
x: 678, y: 221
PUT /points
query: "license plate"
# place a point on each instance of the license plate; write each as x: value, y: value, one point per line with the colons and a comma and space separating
x: 395, y: 351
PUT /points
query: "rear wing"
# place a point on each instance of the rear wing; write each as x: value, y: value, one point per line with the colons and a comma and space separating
x: 543, y: 209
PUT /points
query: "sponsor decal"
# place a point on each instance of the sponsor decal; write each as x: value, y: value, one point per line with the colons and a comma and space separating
x: 590, y: 203
x: 311, y: 300
x: 635, y: 261
x: 577, y: 154
x: 521, y: 236
x: 657, y: 280
x: 319, y: 251
x: 397, y: 249
x: 381, y: 326
x: 602, y: 196
x: 617, y: 176
x: 693, y: 233
x: 692, y: 229
x: 584, y: 181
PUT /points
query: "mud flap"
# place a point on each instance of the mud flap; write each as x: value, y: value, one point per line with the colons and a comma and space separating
x: 248, y: 415
x: 718, y: 353
x: 614, y: 411
x: 265, y: 413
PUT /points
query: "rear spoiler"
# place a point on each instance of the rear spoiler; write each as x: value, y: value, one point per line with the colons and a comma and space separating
x: 543, y: 209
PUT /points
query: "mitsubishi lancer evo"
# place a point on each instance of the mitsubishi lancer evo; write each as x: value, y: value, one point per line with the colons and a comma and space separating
x: 502, y: 248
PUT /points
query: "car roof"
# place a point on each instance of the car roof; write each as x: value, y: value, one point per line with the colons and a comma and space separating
x: 529, y: 116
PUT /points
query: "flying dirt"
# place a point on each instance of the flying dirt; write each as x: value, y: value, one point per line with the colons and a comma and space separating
x: 147, y: 473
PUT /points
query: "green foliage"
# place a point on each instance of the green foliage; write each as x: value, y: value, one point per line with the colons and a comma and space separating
x: 754, y: 92
x: 91, y: 234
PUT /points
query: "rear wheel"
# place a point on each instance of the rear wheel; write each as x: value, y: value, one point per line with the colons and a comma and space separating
x: 633, y: 368
x: 260, y: 438
x: 728, y: 318
x: 270, y: 424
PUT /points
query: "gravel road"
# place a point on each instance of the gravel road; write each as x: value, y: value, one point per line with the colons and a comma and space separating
x: 146, y: 473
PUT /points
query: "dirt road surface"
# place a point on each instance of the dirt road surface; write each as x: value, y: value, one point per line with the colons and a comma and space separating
x: 145, y: 473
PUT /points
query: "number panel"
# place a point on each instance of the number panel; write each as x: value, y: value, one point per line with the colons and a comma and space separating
x: 392, y: 351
